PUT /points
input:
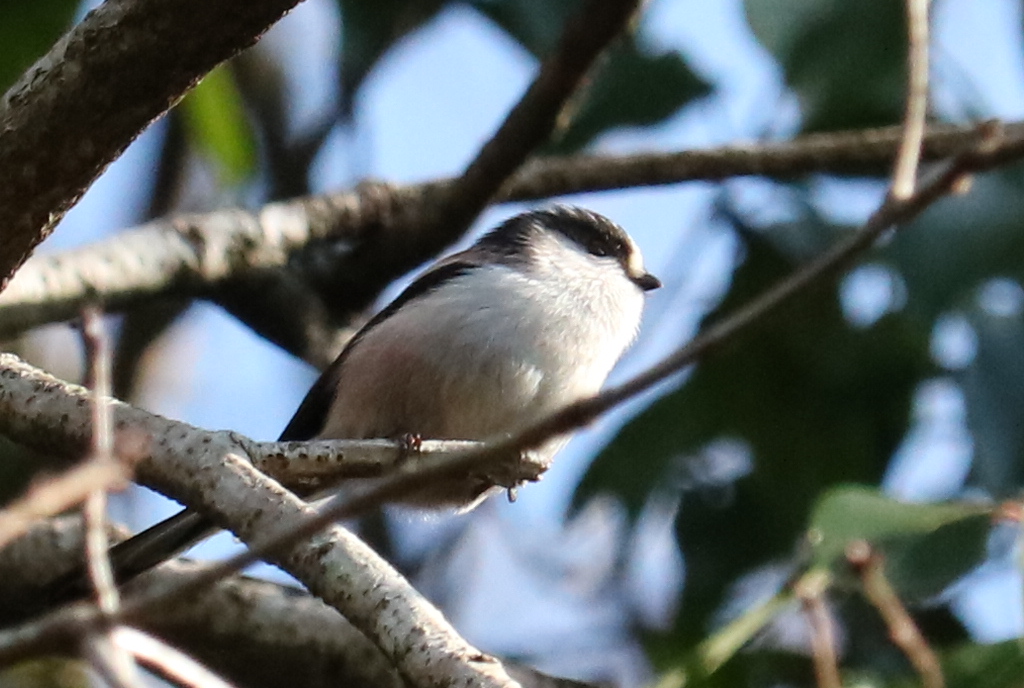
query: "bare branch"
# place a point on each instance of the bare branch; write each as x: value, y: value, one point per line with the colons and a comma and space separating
x: 108, y: 658
x: 82, y: 103
x: 94, y: 511
x: 531, y: 122
x: 248, y: 630
x: 902, y: 629
x: 810, y: 590
x: 252, y: 631
x: 319, y: 462
x: 198, y: 255
x: 904, y: 175
x: 209, y: 471
x: 54, y: 495
x: 176, y: 666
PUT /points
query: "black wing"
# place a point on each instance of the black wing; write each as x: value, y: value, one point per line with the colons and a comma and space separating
x: 311, y: 415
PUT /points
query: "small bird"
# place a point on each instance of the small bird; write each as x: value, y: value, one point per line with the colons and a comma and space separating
x: 486, y: 341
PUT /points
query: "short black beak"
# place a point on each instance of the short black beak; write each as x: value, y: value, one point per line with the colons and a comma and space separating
x: 647, y: 281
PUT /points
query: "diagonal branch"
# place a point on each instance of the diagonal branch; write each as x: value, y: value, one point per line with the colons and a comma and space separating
x: 398, y: 246
x: 209, y: 470
x: 195, y: 255
x: 82, y: 103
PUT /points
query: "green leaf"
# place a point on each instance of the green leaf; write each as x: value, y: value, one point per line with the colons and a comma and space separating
x: 816, y: 401
x: 927, y: 547
x: 845, y: 60
x: 216, y: 123
x: 27, y: 30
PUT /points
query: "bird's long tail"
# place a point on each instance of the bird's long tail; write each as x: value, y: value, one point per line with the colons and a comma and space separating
x: 139, y: 553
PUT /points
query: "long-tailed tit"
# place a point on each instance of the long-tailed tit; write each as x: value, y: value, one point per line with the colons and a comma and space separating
x: 528, y: 319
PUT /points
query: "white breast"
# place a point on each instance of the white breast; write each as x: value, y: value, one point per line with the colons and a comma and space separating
x: 489, y: 351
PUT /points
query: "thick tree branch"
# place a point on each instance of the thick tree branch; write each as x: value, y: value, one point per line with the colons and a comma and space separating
x: 81, y: 104
x: 196, y: 255
x: 209, y: 471
x: 251, y: 631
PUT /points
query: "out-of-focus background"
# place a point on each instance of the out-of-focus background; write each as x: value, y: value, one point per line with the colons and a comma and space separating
x: 681, y: 511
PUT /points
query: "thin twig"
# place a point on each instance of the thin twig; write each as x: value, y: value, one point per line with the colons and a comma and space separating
x: 904, y: 175
x: 175, y: 666
x: 113, y: 664
x: 903, y: 632
x: 57, y: 494
x: 811, y: 592
x: 97, y: 349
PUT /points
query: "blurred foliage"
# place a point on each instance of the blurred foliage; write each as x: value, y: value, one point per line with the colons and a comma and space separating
x: 218, y: 126
x: 960, y: 243
x: 761, y: 436
x: 1000, y: 665
x: 49, y: 672
x: 815, y: 402
x: 845, y: 60
x: 993, y: 386
x: 775, y: 445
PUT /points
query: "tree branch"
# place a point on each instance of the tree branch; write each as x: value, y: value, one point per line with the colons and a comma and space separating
x: 530, y: 123
x: 251, y: 631
x: 82, y: 103
x: 208, y: 470
x: 196, y: 255
x: 904, y: 176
